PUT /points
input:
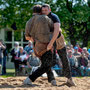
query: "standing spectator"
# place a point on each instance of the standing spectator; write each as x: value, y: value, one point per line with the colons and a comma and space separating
x: 79, y: 49
x: 29, y: 48
x: 5, y: 54
x: 14, y: 53
x: 2, y: 47
x: 83, y: 63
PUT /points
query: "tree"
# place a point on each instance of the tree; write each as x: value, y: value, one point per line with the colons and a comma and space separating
x: 74, y: 16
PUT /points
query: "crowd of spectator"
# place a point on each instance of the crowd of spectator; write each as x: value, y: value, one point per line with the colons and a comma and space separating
x: 79, y: 59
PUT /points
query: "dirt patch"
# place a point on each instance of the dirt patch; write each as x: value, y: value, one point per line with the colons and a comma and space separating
x: 16, y: 83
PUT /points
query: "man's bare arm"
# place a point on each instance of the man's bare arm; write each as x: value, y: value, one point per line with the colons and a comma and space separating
x: 55, y: 35
x: 29, y: 38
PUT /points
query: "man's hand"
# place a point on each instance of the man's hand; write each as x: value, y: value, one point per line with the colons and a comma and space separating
x: 29, y: 38
x: 50, y: 46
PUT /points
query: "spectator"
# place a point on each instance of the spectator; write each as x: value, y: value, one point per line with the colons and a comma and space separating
x: 79, y: 49
x: 14, y: 53
x: 67, y: 48
x: 85, y: 49
x: 2, y: 47
x: 20, y: 58
x: 58, y: 65
x: 33, y: 62
x: 29, y: 48
x: 71, y: 47
x: 83, y: 63
x: 76, y: 53
x: 73, y: 63
x: 5, y: 55
x: 89, y: 50
x: 86, y: 53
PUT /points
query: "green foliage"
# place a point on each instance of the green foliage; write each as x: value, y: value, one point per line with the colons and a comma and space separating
x: 74, y: 16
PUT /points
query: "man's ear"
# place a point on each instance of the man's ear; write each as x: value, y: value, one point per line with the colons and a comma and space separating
x: 50, y: 9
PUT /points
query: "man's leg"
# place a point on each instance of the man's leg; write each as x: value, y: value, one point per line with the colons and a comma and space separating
x: 66, y: 65
x: 49, y: 73
x: 4, y: 66
x: 45, y: 67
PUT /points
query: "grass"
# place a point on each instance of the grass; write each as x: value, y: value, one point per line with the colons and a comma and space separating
x: 10, y: 73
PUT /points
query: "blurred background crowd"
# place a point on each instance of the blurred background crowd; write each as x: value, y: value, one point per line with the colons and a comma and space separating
x: 24, y: 57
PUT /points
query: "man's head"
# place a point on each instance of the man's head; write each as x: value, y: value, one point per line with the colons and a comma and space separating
x: 69, y: 52
x: 46, y: 9
x: 21, y: 49
x: 37, y: 9
x: 16, y: 44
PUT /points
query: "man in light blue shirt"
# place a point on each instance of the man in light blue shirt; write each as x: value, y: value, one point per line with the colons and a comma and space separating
x: 29, y: 48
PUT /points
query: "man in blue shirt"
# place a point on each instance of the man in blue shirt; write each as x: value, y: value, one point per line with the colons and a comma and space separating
x: 57, y: 34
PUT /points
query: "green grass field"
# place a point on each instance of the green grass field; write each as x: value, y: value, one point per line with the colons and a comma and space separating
x: 10, y: 73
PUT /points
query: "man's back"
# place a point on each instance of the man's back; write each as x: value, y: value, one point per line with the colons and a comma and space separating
x: 39, y: 28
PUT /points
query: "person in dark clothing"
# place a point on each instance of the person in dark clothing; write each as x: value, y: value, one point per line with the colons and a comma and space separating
x: 48, y: 58
x: 58, y: 42
x: 14, y: 53
x: 2, y: 58
x: 83, y: 63
x: 5, y: 54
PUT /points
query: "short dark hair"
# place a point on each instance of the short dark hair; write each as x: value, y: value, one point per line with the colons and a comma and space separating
x: 46, y: 5
x: 37, y: 9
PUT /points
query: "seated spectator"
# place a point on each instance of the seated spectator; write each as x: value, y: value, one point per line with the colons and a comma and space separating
x: 86, y: 53
x: 73, y: 63
x: 33, y: 62
x: 29, y: 48
x: 89, y: 50
x: 89, y: 53
x: 83, y: 63
x: 76, y: 53
x: 71, y: 47
x: 79, y: 49
x: 67, y: 48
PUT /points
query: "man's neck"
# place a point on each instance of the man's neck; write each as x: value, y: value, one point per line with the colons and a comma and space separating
x: 36, y: 13
x: 49, y: 13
